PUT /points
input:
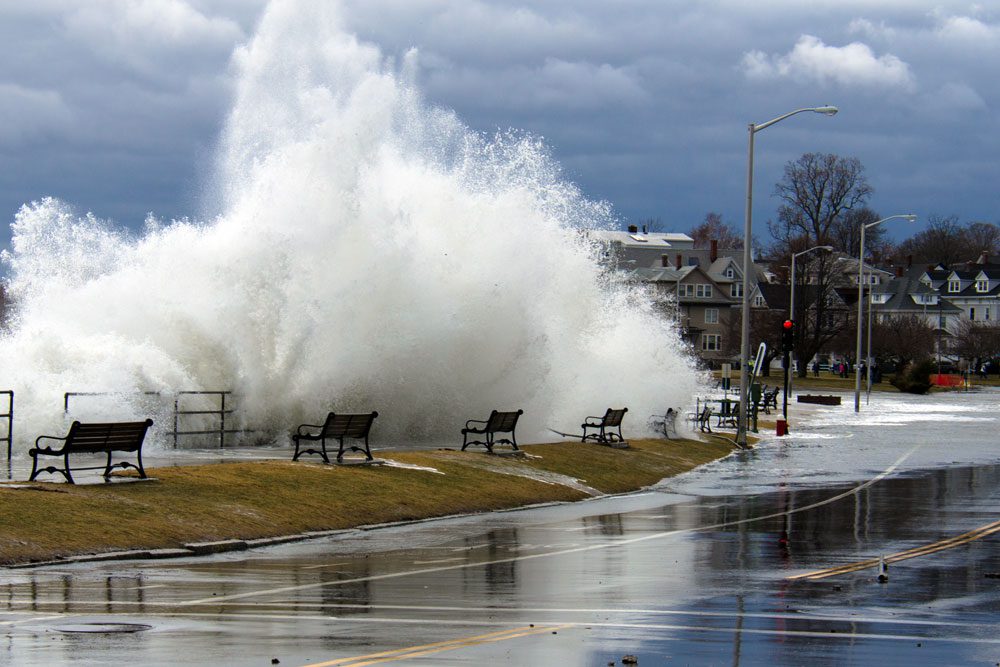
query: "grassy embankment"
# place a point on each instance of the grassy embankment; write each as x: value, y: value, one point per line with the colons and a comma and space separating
x: 205, y: 503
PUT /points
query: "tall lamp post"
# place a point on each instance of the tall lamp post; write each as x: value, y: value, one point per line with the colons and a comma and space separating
x: 791, y: 295
x: 861, y: 302
x: 741, y: 430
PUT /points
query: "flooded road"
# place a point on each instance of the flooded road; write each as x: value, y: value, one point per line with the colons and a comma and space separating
x: 769, y: 556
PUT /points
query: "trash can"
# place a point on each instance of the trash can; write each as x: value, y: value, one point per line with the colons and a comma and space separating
x: 782, y: 428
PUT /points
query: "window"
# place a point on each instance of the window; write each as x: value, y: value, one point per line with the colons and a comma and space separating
x: 736, y: 290
x: 730, y: 273
x: 711, y: 316
x: 685, y: 290
x: 710, y: 342
x: 972, y: 313
x: 986, y: 314
x: 703, y: 291
x: 982, y: 285
x: 954, y: 286
x: 758, y: 301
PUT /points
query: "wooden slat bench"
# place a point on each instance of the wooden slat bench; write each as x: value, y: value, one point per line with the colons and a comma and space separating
x: 93, y: 439
x: 499, y: 422
x: 605, y: 426
x: 337, y: 427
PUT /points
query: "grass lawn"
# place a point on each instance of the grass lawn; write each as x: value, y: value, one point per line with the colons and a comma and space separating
x: 250, y: 500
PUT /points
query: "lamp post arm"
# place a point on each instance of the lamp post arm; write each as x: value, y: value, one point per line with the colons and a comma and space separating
x: 760, y: 126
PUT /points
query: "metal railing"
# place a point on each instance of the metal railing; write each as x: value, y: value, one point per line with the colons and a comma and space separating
x: 178, y: 413
x: 9, y: 416
x: 222, y: 412
x: 71, y: 394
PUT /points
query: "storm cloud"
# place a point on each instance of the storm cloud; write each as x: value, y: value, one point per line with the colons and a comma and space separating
x: 116, y: 107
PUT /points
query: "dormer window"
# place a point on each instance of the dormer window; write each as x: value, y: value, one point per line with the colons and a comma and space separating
x: 982, y: 285
x: 730, y: 273
x: 954, y: 286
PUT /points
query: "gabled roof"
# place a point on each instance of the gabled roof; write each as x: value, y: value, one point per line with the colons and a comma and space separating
x: 659, y: 240
x: 903, y: 290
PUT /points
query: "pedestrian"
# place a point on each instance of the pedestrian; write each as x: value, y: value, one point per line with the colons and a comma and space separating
x: 815, y: 369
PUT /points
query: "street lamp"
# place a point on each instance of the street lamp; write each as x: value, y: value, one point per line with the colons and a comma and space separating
x: 791, y: 296
x: 741, y: 430
x: 861, y: 295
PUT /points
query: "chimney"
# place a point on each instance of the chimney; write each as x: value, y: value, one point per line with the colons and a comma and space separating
x: 909, y: 261
x: 665, y: 261
x: 899, y: 272
x: 632, y: 229
x: 984, y: 257
x: 714, y: 250
x: 680, y: 262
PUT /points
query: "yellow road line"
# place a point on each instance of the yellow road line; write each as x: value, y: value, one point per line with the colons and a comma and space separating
x: 924, y: 550
x: 437, y: 647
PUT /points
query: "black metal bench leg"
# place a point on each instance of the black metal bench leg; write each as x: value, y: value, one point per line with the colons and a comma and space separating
x: 108, y: 467
x: 34, y: 466
x: 138, y: 458
x: 69, y: 477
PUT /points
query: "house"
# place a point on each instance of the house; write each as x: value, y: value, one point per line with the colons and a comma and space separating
x: 702, y: 290
x: 633, y: 249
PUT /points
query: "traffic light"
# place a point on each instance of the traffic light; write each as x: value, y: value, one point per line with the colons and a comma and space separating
x: 787, y: 336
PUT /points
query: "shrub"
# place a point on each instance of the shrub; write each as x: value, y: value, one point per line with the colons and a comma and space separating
x: 915, y: 377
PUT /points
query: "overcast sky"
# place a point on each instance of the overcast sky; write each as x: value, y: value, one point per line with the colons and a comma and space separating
x: 115, y: 105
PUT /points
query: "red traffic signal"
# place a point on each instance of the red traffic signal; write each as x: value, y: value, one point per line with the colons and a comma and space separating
x: 787, y: 335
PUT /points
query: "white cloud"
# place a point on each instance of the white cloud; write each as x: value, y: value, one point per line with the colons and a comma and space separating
x: 870, y: 29
x: 141, y: 35
x: 968, y: 31
x: 810, y: 60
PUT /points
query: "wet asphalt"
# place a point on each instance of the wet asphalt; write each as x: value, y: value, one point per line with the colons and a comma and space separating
x: 766, y: 557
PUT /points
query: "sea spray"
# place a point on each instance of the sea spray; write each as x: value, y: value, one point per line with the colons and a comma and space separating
x: 370, y: 252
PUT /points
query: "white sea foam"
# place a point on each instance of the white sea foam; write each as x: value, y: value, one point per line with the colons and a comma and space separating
x: 370, y: 252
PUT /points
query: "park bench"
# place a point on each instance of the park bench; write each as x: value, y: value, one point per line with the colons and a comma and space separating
x: 605, y: 427
x: 771, y: 399
x: 665, y: 423
x: 337, y: 427
x: 703, y: 419
x: 104, y: 438
x: 728, y: 417
x: 499, y: 422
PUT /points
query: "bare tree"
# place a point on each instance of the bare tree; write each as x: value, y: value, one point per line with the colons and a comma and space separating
x: 820, y: 194
x: 976, y: 341
x: 902, y: 339
x: 714, y: 229
x: 845, y: 232
x: 651, y: 224
x: 982, y: 237
x: 942, y: 240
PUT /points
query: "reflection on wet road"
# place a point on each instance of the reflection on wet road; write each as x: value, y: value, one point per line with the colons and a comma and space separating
x: 719, y: 566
